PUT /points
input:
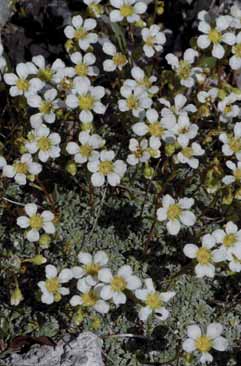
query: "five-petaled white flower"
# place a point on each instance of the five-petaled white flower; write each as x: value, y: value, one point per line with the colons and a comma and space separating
x: 90, y: 265
x: 185, y: 72
x: 90, y: 296
x: 176, y: 213
x: 22, y: 169
x: 154, y: 301
x: 52, y: 289
x: 104, y: 168
x: 188, y: 155
x: 205, y: 256
x: 87, y: 150
x: 86, y: 98
x: 153, y: 39
x: 230, y: 240
x: 84, y: 64
x: 140, y: 79
x: 136, y: 100
x: 171, y: 113
x: 127, y: 9
x: 46, y: 106
x: 235, y: 60
x: 34, y: 222
x: 215, y: 36
x: 201, y: 342
x: 43, y: 142
x: 20, y: 82
x: 118, y: 60
x: 115, y: 285
x: 80, y: 31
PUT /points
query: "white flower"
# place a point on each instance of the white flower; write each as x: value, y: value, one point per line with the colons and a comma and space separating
x: 153, y: 39
x: 44, y: 142
x: 52, y: 290
x: 215, y: 36
x: 230, y: 238
x: 22, y: 169
x: 46, y: 106
x: 236, y: 173
x: 80, y: 31
x: 34, y: 222
x: 207, y: 96
x: 83, y: 64
x: 184, y: 130
x: 86, y: 151
x: 91, y: 265
x: 232, y: 142
x: 228, y: 109
x: 105, y: 169
x: 176, y: 213
x: 89, y: 297
x: 188, y: 153
x: 136, y: 100
x: 202, y: 343
x: 127, y: 9
x: 205, y: 256
x: 171, y: 113
x: 86, y: 98
x: 185, y: 72
x: 118, y: 60
x: 47, y: 73
x: 155, y: 127
x: 235, y: 60
x: 141, y: 80
x: 154, y: 301
x: 20, y: 84
x: 139, y: 152
x: 236, y: 14
x: 115, y: 286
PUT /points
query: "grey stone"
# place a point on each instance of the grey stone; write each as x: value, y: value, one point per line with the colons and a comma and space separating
x: 85, y: 350
x: 4, y: 12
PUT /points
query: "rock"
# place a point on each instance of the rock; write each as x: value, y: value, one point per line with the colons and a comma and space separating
x: 85, y: 350
x: 4, y: 12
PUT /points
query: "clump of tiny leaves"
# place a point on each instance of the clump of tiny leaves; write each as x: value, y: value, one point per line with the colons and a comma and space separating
x: 121, y: 189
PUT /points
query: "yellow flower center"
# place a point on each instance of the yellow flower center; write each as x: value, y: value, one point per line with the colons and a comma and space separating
x: 228, y: 109
x: 21, y: 168
x: 127, y: 10
x: 145, y: 82
x: 95, y: 9
x: 203, y: 344
x: 105, y: 167
x: 204, y: 255
x: 52, y: 284
x: 118, y: 284
x: 86, y: 102
x: 235, y: 144
x: 155, y: 129
x: 237, y: 50
x: 138, y: 153
x: 214, y: 36
x: 46, y: 107
x: 229, y: 240
x: 119, y: 59
x: 45, y: 74
x: 174, y: 211
x: 36, y: 222
x: 154, y: 301
x: 81, y: 69
x: 92, y: 268
x: 150, y: 41
x: 89, y: 299
x: 85, y: 150
x: 187, y: 152
x: 132, y: 102
x: 44, y: 143
x: 22, y: 84
x: 80, y: 33
x: 184, y: 69
x: 237, y: 174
